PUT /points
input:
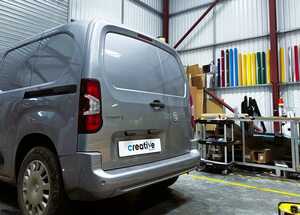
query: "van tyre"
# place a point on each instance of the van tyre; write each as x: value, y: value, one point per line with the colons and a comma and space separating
x: 39, y: 183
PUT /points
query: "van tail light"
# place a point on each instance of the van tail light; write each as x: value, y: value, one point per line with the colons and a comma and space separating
x: 90, y: 118
x: 192, y: 107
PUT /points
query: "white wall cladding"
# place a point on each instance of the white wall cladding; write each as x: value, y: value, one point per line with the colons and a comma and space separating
x: 247, y: 19
x: 234, y: 97
x: 89, y: 9
x: 246, y: 46
x: 288, y: 19
x: 202, y: 58
x: 180, y: 5
x: 288, y: 14
x: 202, y: 34
x: 142, y: 20
x: 238, y: 19
x: 234, y: 20
x: 262, y: 95
x: 156, y: 4
x: 20, y: 19
x: 290, y: 94
x: 135, y: 16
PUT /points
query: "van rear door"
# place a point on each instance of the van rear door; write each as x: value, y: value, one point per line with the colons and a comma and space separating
x: 175, y: 86
x: 136, y: 107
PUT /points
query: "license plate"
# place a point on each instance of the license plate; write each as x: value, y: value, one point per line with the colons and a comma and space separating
x: 139, y: 147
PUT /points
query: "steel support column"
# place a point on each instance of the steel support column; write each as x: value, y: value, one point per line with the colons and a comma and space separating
x: 274, y: 56
x: 196, y: 23
x: 166, y: 18
x: 274, y: 61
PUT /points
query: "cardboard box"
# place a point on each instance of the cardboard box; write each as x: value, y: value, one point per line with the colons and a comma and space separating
x: 197, y: 96
x: 214, y: 107
x: 198, y: 81
x: 193, y: 70
x: 195, y: 76
x: 261, y: 156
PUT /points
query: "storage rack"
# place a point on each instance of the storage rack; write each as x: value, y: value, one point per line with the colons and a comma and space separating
x: 224, y: 141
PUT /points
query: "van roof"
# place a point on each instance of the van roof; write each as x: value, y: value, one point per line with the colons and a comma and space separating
x: 82, y: 24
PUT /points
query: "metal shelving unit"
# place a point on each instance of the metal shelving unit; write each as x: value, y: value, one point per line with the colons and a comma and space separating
x: 208, y: 143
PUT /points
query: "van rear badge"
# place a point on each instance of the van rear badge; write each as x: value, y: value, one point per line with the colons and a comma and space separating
x: 175, y: 116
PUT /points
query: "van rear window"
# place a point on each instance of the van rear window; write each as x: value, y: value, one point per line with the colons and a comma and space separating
x: 132, y: 64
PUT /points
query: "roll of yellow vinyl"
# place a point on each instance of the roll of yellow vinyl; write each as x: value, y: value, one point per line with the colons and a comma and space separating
x: 282, y: 65
x: 268, y: 65
x: 253, y: 69
x: 244, y: 69
x: 249, y: 73
x: 240, y: 70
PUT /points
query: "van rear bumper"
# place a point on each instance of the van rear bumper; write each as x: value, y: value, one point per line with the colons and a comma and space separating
x: 85, y: 180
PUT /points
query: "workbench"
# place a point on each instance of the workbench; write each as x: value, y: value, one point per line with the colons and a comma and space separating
x: 242, y: 121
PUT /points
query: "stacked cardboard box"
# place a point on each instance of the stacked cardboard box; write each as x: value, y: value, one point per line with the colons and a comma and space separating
x: 197, y: 84
x: 202, y: 105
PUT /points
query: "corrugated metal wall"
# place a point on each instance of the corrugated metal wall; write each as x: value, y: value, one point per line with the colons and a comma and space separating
x: 290, y: 94
x: 202, y: 35
x: 180, y: 5
x: 230, y: 20
x: 89, y: 9
x: 138, y: 18
x: 128, y: 12
x: 289, y: 21
x: 241, y: 24
x: 156, y: 4
x: 20, y: 19
x: 235, y: 97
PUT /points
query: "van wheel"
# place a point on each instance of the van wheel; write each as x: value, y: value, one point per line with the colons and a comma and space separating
x: 39, y: 185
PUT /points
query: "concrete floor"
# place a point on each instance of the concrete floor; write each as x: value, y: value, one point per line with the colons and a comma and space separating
x: 196, y: 193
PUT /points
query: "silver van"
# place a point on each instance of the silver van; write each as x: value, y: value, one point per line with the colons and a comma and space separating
x: 91, y: 110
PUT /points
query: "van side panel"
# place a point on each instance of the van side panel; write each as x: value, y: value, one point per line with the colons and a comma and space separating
x: 48, y: 103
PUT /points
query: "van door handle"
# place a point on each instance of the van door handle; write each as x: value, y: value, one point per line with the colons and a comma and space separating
x: 157, y: 105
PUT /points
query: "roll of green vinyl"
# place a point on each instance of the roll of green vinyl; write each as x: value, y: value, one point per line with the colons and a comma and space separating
x: 263, y: 68
x: 258, y: 71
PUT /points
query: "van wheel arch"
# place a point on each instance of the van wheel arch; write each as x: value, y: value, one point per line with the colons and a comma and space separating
x: 27, y: 143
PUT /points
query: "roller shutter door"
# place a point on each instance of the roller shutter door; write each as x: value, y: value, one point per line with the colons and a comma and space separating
x: 20, y: 19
